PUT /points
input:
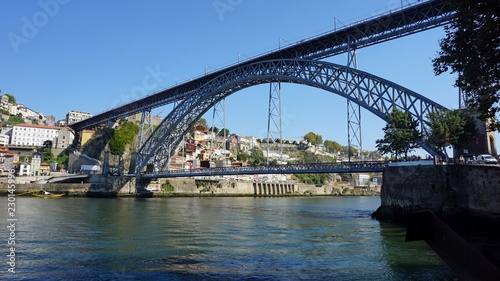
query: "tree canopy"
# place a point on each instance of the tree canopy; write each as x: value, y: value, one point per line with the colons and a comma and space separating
x: 123, y: 135
x: 471, y: 49
x: 450, y: 127
x: 401, y: 134
x: 12, y: 99
x: 313, y: 138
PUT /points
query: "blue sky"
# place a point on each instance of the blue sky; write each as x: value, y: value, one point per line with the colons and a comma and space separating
x: 62, y: 55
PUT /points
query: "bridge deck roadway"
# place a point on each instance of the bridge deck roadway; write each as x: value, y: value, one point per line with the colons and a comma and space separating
x: 412, y: 19
x: 340, y: 167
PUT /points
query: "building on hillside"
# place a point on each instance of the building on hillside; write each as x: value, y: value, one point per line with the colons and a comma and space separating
x: 12, y: 109
x: 4, y: 140
x: 4, y: 102
x: 7, y: 106
x: 6, y: 160
x: 61, y: 123
x: 136, y: 118
x: 75, y: 116
x: 36, y: 161
x: 45, y: 169
x: 36, y: 135
x: 28, y: 113
x: 85, y: 136
x: 33, y: 135
x: 246, y: 143
x: 65, y: 137
x: 50, y: 120
x: 23, y: 169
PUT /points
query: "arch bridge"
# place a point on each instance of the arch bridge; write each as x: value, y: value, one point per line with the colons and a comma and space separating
x: 297, y: 63
x: 373, y: 93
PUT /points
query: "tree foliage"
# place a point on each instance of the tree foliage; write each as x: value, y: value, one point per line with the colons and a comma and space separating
x: 450, y: 127
x: 333, y: 146
x: 313, y: 138
x: 471, y: 49
x: 401, y: 134
x: 12, y: 99
x: 123, y: 135
x: 257, y: 157
x: 312, y: 178
x: 14, y: 120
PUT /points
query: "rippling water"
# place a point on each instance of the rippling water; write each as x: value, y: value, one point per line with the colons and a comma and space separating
x: 307, y: 238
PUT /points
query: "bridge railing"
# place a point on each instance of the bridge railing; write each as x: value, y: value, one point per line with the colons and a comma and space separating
x: 337, y: 167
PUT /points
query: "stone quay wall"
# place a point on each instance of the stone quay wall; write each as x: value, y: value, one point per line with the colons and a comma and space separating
x: 192, y: 187
x: 200, y: 187
x: 453, y: 192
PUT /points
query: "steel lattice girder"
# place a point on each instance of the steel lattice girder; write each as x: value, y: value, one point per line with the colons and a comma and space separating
x: 337, y: 167
x: 373, y: 93
x: 422, y: 16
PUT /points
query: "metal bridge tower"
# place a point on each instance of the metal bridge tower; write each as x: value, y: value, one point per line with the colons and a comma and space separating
x: 146, y: 128
x: 218, y: 120
x: 274, y: 120
x: 353, y: 109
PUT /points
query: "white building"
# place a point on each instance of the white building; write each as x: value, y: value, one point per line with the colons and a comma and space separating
x: 4, y: 140
x: 28, y: 113
x: 24, y: 169
x: 33, y: 135
x: 75, y: 116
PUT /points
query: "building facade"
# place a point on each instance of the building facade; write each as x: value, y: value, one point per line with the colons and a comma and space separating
x: 75, y: 116
x: 33, y: 135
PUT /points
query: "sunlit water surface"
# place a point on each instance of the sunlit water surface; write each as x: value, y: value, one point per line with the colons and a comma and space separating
x: 307, y: 238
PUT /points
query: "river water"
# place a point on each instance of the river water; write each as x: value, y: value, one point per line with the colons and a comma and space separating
x: 244, y: 238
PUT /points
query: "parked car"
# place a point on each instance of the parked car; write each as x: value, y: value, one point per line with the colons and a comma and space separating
x: 486, y: 159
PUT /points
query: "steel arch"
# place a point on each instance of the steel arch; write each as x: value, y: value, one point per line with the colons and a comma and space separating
x: 373, y: 93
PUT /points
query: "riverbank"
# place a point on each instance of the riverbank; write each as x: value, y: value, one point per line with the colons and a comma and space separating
x: 194, y: 187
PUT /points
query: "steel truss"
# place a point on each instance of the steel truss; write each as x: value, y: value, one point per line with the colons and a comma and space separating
x: 353, y: 111
x: 274, y: 128
x: 338, y: 167
x: 422, y: 16
x: 146, y: 128
x: 373, y: 93
x: 218, y: 119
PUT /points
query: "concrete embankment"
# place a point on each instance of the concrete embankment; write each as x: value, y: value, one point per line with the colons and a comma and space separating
x: 449, y: 191
x: 465, y: 197
x: 192, y: 187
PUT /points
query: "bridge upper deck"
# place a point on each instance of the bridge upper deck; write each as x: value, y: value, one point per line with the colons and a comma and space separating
x: 412, y: 19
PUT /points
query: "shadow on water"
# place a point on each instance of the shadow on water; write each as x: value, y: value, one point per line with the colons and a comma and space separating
x: 411, y: 260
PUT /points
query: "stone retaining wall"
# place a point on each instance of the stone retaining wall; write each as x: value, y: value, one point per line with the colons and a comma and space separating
x: 449, y: 191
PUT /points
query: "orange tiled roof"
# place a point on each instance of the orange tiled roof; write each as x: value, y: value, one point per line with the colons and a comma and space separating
x: 38, y: 126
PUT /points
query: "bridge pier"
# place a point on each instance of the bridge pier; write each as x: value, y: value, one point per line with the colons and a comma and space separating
x: 264, y: 188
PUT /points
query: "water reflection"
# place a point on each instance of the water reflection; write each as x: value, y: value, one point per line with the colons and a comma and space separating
x: 217, y: 238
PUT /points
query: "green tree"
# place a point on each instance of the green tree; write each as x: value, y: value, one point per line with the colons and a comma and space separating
x: 48, y: 157
x: 401, y: 134
x: 12, y: 99
x: 201, y: 121
x: 257, y: 157
x: 15, y: 119
x: 223, y: 132
x: 122, y: 136
x: 471, y: 49
x: 333, y: 146
x: 313, y: 138
x: 450, y: 127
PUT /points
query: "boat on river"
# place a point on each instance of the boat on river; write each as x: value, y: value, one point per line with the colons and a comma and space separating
x: 46, y: 194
